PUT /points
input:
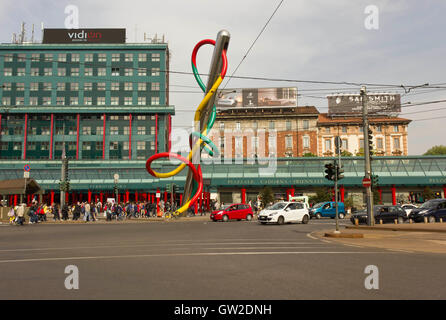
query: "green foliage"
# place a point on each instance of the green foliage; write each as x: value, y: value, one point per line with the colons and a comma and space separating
x: 346, y: 153
x: 322, y: 195
x: 360, y: 152
x: 309, y: 154
x: 266, y: 196
x: 436, y: 151
x: 348, y: 202
x: 428, y: 194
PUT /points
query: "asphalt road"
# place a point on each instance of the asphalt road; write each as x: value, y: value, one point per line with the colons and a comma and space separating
x: 205, y: 260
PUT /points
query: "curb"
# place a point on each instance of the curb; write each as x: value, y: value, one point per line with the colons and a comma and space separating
x: 395, y: 229
x: 343, y: 235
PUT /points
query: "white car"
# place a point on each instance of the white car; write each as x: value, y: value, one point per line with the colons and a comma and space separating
x: 284, y: 212
x: 408, y: 208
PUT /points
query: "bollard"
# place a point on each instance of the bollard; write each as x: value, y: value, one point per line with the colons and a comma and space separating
x: 425, y: 219
x: 396, y: 221
x: 410, y: 221
x: 441, y: 220
x: 356, y: 221
x: 380, y: 221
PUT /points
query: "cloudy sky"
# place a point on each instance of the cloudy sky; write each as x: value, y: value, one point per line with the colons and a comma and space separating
x: 305, y: 40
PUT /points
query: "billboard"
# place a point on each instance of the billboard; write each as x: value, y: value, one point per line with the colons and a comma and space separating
x: 378, y: 103
x: 256, y: 98
x: 83, y: 36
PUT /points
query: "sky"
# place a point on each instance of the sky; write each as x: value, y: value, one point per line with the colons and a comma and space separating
x: 304, y: 40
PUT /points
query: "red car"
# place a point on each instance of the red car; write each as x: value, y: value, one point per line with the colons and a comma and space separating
x: 237, y: 211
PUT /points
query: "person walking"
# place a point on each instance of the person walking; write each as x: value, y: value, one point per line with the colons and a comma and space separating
x: 21, y: 214
x: 87, y: 212
x: 55, y: 208
x: 64, y: 212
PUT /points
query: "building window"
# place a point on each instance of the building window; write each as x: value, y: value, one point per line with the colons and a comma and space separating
x: 115, y: 86
x: 102, y: 57
x: 155, y: 86
x: 129, y: 57
x: 142, y: 101
x: 47, y: 71
x: 114, y: 130
x: 289, y: 142
x: 344, y: 144
x: 34, y: 72
x: 34, y: 86
x: 47, y: 86
x: 8, y: 57
x: 99, y: 145
x: 156, y: 57
x: 306, y: 124
x: 33, y: 101
x: 152, y: 130
x: 238, y: 126
x: 46, y: 101
x: 102, y: 72
x: 88, y: 86
x: 75, y: 57
x: 141, y: 145
x: 20, y: 101
x: 31, y: 146
x: 139, y: 117
x: 344, y: 129
x: 87, y: 101
x: 142, y: 86
x: 61, y: 72
x: 100, y: 101
x: 361, y: 129
x: 396, y: 143
x: 378, y: 128
x: 306, y: 141
x: 327, y: 130
x: 395, y: 128
x: 74, y: 72
x: 88, y: 57
x: 114, y: 101
x: 142, y: 72
x: 141, y: 130
x: 20, y: 86
x: 60, y: 101
x: 271, y: 124
x: 44, y: 146
x: 155, y: 101
x: 88, y: 71
x: 21, y: 71
x: 6, y: 101
x: 128, y: 86
x: 62, y: 57
x: 128, y: 101
x: 272, y: 144
x: 101, y: 86
x: 125, y: 145
x: 99, y: 130
x: 114, y: 145
x: 7, y: 87
x: 327, y: 144
x: 288, y: 125
x: 61, y: 86
x: 17, y: 146
x: 74, y: 101
x: 128, y: 72
x: 7, y: 71
x: 361, y: 143
x: 86, y: 145
x: 155, y: 72
x: 116, y: 57
x: 126, y: 130
x: 379, y: 143
x: 49, y: 57
x: 45, y: 130
x: 21, y: 57
x: 115, y: 71
x: 142, y: 57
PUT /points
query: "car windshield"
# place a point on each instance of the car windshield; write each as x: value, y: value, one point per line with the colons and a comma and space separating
x: 429, y: 204
x: 277, y: 206
x: 225, y: 206
x: 318, y: 205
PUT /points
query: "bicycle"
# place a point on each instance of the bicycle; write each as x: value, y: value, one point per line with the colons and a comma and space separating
x: 170, y: 215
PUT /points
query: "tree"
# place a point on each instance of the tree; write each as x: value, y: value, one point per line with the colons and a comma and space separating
x: 360, y: 152
x: 428, y: 194
x: 266, y: 196
x: 348, y: 202
x: 346, y: 153
x: 436, y: 151
x: 322, y: 195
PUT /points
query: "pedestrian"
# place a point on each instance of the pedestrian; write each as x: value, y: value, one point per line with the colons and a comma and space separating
x: 77, y: 211
x: 21, y: 214
x: 55, y: 209
x: 11, y: 215
x: 87, y: 212
x: 65, y: 212
x: 108, y: 212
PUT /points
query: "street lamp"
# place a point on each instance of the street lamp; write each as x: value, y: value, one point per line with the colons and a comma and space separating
x: 115, y: 188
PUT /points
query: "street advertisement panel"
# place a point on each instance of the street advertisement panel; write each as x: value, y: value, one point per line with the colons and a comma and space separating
x: 351, y: 104
x: 256, y: 98
x: 83, y: 36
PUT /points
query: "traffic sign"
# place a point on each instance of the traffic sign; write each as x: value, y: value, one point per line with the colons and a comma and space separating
x: 26, y: 174
x: 158, y: 195
x: 27, y: 168
x: 366, y: 182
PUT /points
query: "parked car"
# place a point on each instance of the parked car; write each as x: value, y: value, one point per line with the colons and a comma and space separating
x: 432, y: 209
x: 284, y: 212
x: 408, y: 208
x: 327, y: 209
x: 237, y: 211
x: 381, y: 212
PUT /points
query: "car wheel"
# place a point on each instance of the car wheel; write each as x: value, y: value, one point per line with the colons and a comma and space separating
x: 225, y: 218
x: 341, y: 216
x: 280, y: 220
x: 248, y: 217
x: 318, y: 215
x: 305, y: 219
x: 263, y: 222
x: 400, y: 220
x: 432, y: 219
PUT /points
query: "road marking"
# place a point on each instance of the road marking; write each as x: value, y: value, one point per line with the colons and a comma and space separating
x: 151, y: 245
x: 191, y: 255
x: 400, y: 250
x: 351, y: 245
x: 311, y: 237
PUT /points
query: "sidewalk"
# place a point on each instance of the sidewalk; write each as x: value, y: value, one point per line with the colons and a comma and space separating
x: 410, y: 238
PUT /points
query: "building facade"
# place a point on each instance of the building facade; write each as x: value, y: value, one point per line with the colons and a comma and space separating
x: 266, y: 132
x: 390, y: 135
x: 100, y: 101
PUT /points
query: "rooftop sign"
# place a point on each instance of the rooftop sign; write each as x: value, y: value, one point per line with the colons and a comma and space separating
x: 83, y: 36
x: 378, y: 104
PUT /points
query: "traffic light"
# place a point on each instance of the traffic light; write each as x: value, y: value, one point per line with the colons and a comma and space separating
x: 115, y: 189
x: 370, y: 139
x: 330, y: 171
x: 339, y: 172
x: 67, y: 186
x: 65, y: 169
x: 374, y: 179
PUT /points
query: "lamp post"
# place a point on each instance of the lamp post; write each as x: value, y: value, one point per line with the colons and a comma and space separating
x: 116, y: 180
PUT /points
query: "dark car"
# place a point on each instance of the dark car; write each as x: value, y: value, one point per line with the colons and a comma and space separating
x: 381, y: 212
x: 433, y: 210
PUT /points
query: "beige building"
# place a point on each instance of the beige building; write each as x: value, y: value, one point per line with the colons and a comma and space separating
x: 389, y: 135
x: 266, y: 132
